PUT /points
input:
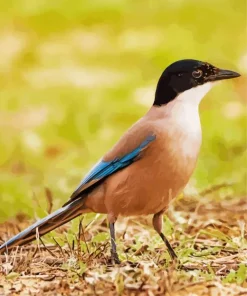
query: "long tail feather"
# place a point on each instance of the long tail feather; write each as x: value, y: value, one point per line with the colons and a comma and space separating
x: 45, y: 225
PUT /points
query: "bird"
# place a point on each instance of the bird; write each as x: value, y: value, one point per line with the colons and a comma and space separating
x: 150, y: 164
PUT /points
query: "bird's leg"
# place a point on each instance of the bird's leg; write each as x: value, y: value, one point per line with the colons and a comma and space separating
x: 114, y: 255
x: 157, y: 224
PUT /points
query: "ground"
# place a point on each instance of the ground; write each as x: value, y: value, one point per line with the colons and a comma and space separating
x: 209, y: 237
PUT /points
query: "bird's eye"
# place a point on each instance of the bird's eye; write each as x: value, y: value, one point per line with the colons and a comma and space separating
x: 197, y: 73
x: 180, y: 74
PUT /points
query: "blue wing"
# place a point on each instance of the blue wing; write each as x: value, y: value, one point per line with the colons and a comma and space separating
x: 103, y: 169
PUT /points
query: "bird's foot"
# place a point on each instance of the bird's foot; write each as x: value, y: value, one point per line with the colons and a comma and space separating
x: 114, y: 258
x: 173, y: 255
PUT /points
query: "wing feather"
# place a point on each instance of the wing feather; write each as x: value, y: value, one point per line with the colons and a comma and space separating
x: 103, y: 169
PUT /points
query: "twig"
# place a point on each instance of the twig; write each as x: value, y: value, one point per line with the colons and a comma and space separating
x: 61, y: 250
x: 49, y: 251
x: 215, y: 188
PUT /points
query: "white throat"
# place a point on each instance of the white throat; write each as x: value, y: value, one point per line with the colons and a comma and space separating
x: 184, y: 107
x: 183, y: 110
x: 195, y: 94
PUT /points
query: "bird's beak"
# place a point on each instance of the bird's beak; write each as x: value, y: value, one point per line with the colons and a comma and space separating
x: 222, y: 74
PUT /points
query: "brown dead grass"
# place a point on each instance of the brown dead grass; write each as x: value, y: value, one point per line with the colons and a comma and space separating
x: 213, y: 229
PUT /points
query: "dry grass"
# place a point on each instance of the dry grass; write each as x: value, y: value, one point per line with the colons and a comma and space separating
x: 209, y: 237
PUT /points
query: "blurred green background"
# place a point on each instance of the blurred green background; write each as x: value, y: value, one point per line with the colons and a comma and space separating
x: 74, y: 75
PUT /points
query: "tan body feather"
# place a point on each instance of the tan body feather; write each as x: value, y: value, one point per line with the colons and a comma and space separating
x: 163, y: 169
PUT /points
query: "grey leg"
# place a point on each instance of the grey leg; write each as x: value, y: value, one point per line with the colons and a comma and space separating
x: 169, y: 247
x: 157, y: 223
x: 114, y: 255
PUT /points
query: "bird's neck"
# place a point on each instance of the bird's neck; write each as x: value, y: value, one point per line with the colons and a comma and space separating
x: 176, y: 110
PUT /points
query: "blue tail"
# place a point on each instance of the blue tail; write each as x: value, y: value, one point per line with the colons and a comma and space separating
x: 45, y: 225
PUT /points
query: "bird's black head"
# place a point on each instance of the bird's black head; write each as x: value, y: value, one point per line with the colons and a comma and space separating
x: 184, y: 75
